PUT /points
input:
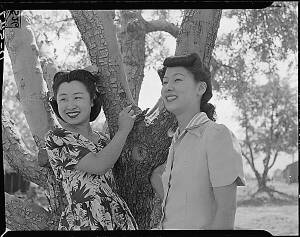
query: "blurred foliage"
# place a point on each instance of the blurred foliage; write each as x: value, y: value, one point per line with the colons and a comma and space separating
x: 156, y: 45
x: 263, y: 38
x: 249, y: 73
x: 269, y: 113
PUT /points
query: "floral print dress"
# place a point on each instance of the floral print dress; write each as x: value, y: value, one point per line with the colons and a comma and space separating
x: 92, y: 203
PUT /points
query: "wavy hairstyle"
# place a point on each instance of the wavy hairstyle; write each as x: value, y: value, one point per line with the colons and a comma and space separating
x: 86, y: 78
x: 193, y: 63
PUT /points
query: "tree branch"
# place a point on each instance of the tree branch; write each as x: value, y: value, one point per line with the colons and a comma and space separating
x: 24, y: 215
x: 162, y: 25
x: 22, y: 48
x: 274, y: 159
x: 23, y: 52
x: 248, y: 160
x: 99, y: 35
x: 198, y: 33
x: 63, y: 20
x: 132, y: 44
x: 18, y: 157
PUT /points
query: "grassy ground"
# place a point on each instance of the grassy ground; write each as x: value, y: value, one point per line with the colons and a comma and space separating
x: 278, y: 217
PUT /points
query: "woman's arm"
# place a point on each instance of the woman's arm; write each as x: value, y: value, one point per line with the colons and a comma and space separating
x: 99, y: 163
x: 226, y: 207
x: 156, y: 181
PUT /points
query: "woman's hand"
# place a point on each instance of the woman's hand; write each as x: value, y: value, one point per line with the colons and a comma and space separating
x: 126, y: 119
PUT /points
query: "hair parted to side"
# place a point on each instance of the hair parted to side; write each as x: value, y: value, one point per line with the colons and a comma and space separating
x: 193, y: 63
x: 86, y: 78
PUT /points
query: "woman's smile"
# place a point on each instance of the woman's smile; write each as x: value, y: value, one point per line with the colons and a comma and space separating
x: 73, y: 114
x: 170, y: 98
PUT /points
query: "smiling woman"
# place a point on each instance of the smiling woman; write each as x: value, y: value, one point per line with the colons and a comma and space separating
x: 204, y: 164
x: 82, y: 159
x: 74, y: 102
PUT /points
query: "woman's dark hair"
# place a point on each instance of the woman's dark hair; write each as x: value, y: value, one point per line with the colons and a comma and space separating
x: 86, y: 78
x: 193, y: 63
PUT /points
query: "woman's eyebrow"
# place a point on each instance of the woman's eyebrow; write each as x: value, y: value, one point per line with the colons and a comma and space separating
x: 77, y: 93
x: 178, y: 73
x: 62, y: 94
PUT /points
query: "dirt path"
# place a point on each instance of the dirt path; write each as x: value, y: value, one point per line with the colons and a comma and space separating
x: 278, y: 220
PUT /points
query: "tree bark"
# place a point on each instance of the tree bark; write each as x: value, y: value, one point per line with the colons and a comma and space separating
x: 147, y: 144
x: 198, y: 33
x: 99, y: 34
x: 133, y: 169
x: 162, y: 25
x: 131, y: 38
x: 24, y: 215
x: 19, y: 158
x: 23, y: 52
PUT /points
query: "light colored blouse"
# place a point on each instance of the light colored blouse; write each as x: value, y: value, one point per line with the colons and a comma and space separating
x: 203, y: 156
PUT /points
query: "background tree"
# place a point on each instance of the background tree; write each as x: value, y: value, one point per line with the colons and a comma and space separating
x: 250, y: 76
x: 148, y: 142
x: 269, y: 119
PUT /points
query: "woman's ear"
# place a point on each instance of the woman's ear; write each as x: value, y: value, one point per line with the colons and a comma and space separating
x: 202, y: 87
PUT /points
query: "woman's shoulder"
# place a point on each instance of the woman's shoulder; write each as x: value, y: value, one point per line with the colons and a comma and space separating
x: 217, y: 130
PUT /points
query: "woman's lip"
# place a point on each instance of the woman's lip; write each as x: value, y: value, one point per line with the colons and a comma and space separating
x: 170, y: 98
x: 72, y: 114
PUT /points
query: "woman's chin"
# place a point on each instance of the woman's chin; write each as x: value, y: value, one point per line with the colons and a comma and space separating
x: 74, y: 121
x: 172, y: 109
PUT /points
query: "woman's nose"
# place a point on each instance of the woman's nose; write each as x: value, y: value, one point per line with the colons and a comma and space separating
x: 169, y: 86
x: 71, y: 104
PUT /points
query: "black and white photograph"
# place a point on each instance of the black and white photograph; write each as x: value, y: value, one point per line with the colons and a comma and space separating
x: 150, y: 119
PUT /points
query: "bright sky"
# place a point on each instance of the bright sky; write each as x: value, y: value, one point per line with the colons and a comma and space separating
x: 150, y: 91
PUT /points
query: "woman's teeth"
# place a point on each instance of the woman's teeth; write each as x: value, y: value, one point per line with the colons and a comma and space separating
x: 171, y: 98
x: 72, y: 114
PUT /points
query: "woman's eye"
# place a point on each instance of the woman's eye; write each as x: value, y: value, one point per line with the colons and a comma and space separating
x: 77, y: 98
x: 178, y: 79
x: 62, y: 99
x: 165, y: 83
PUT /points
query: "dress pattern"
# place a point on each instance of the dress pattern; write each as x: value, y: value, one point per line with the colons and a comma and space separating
x: 93, y: 203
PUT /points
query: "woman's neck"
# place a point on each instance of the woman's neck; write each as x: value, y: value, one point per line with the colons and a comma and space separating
x: 184, y: 119
x: 83, y: 129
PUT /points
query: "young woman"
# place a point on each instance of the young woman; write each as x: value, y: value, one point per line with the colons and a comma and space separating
x: 82, y: 159
x: 204, y: 167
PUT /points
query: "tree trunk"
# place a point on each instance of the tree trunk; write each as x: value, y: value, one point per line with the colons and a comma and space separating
x: 131, y: 38
x: 23, y: 52
x: 24, y: 215
x: 147, y: 144
x: 198, y: 33
x: 17, y: 156
x: 99, y: 35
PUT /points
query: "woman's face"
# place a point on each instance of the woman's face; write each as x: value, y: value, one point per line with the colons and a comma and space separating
x: 74, y: 102
x: 180, y: 92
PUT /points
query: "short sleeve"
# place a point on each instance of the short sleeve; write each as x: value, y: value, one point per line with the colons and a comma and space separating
x: 64, y: 151
x: 103, y: 138
x: 223, y: 157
